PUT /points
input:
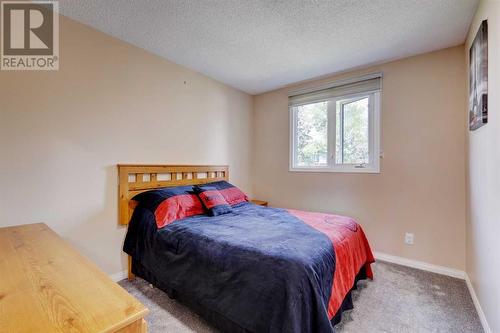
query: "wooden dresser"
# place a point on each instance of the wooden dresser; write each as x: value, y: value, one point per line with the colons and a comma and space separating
x: 46, y: 286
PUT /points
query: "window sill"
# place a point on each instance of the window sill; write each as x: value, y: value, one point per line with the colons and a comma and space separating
x: 372, y: 170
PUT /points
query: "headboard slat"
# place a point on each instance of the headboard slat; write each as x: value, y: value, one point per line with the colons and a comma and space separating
x: 145, y: 178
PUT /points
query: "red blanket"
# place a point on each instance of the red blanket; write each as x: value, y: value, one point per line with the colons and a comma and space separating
x: 351, y: 248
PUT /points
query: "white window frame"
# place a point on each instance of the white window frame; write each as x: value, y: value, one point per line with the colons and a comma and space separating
x: 374, y: 106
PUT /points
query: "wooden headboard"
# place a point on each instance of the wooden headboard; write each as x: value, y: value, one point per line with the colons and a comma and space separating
x: 137, y: 178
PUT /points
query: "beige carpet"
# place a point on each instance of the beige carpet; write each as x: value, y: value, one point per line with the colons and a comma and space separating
x: 400, y: 299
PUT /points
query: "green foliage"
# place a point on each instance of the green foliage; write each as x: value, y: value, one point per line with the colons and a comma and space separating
x: 312, y: 127
x: 355, y: 149
x: 351, y: 133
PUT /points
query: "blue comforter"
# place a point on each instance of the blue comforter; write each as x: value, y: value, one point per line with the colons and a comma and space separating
x: 259, y: 268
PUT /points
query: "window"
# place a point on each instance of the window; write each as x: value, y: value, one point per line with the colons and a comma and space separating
x: 336, y: 128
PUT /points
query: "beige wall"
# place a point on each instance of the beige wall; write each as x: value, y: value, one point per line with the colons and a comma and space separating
x: 483, y: 181
x: 62, y: 133
x: 421, y: 187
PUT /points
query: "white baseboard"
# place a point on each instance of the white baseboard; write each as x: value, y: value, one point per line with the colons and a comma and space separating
x: 421, y: 265
x: 443, y: 271
x: 479, y: 309
x: 119, y: 276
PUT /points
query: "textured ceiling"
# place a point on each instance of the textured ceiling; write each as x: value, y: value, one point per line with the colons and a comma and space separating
x: 260, y: 45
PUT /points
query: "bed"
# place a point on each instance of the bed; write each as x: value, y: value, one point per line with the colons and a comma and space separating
x: 253, y: 269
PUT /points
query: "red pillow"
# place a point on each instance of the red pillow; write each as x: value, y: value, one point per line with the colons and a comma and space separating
x: 213, y: 200
x: 231, y: 193
x: 171, y: 203
x: 176, y: 208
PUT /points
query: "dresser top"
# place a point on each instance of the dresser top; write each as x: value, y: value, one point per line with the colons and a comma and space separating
x: 46, y: 286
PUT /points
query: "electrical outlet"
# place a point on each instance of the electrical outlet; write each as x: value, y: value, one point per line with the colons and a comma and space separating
x: 409, y: 238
